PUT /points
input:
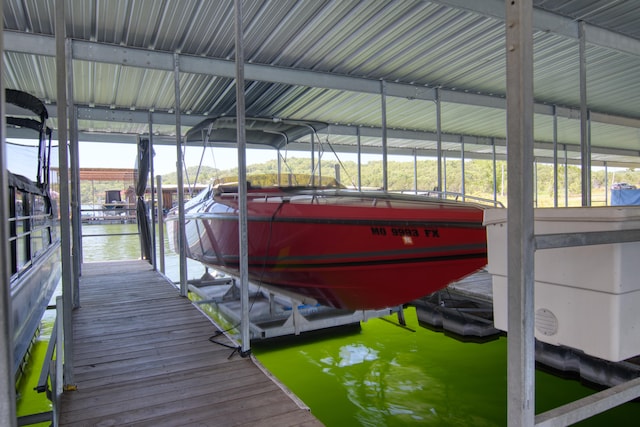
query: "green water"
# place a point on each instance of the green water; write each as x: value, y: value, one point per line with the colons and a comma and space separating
x: 387, y: 375
x: 28, y: 400
x: 382, y: 375
x: 120, y: 244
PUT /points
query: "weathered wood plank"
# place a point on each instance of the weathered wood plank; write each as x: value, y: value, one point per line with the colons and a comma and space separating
x: 93, y: 352
x: 193, y: 399
x: 146, y: 368
x: 180, y: 380
x: 249, y: 407
x: 169, y: 396
x: 107, y: 330
x: 142, y: 356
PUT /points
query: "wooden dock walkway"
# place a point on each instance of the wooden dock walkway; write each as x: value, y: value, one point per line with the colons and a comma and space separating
x: 142, y: 356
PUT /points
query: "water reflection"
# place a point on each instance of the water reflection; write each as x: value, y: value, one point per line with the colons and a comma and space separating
x: 110, y: 242
x: 354, y: 354
x: 382, y: 384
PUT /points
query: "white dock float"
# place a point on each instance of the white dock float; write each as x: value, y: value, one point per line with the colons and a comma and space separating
x: 586, y: 297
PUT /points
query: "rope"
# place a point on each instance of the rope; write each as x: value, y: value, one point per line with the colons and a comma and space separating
x: 236, y: 349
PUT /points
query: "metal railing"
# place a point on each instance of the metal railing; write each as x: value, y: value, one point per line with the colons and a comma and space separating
x: 50, y: 380
x: 117, y: 214
x: 447, y: 195
x: 23, y: 233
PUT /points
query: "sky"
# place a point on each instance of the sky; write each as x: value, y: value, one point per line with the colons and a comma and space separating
x: 123, y: 155
x: 22, y: 159
x: 113, y: 155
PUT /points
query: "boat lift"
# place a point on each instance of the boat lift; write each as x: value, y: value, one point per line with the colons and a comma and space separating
x: 275, y: 313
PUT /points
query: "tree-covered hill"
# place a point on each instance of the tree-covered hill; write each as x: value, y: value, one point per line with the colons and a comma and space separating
x: 479, y: 177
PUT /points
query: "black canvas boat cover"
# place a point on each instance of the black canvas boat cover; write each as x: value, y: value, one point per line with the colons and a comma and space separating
x: 274, y: 132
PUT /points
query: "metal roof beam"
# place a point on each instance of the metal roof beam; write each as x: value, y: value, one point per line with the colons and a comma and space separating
x: 375, y: 132
x: 134, y: 57
x: 164, y: 118
x: 135, y: 116
x: 552, y: 23
x: 543, y: 21
x: 144, y: 58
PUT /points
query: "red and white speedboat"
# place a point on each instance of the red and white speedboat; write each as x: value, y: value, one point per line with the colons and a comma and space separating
x: 345, y: 249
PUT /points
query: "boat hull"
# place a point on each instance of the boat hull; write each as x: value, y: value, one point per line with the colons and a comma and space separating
x: 346, y: 251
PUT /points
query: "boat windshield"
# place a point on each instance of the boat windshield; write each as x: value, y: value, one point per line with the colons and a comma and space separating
x: 31, y: 159
x: 22, y: 160
x: 282, y: 180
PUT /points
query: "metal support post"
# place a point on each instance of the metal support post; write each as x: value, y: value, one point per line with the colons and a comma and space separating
x: 495, y: 177
x: 606, y: 184
x: 555, y: 156
x: 566, y: 176
x: 242, y: 182
x: 462, y: 171
x: 320, y: 153
x: 279, y: 165
x: 439, y: 137
x: 444, y: 173
x: 585, y: 142
x: 65, y: 229
x: 161, y: 223
x: 184, y: 291
x: 520, y: 242
x: 154, y: 213
x: 313, y: 160
x: 415, y: 171
x: 74, y: 156
x: 383, y: 98
x: 535, y: 182
x: 359, y: 148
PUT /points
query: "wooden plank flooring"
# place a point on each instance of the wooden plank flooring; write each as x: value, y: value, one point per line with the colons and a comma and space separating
x: 142, y: 357
x: 477, y: 285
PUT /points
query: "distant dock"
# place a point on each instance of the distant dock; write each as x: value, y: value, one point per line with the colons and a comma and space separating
x: 142, y: 356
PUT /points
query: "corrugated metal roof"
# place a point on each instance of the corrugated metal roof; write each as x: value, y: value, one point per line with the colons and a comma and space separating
x: 615, y: 15
x: 452, y: 45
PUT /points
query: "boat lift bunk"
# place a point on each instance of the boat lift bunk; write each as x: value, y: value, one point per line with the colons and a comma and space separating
x: 273, y: 312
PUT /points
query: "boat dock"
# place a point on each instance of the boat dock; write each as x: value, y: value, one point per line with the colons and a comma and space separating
x: 143, y: 356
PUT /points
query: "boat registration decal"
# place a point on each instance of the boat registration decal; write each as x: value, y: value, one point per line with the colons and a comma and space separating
x: 405, y: 232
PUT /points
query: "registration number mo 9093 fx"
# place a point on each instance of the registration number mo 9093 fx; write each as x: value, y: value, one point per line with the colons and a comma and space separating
x: 405, y: 231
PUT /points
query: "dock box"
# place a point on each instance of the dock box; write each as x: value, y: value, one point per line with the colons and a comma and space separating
x: 587, y: 297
